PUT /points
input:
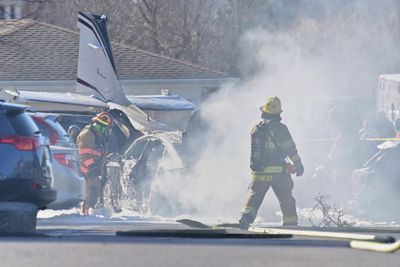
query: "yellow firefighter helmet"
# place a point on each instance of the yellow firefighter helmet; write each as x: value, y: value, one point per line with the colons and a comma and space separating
x: 104, y: 119
x: 272, y: 105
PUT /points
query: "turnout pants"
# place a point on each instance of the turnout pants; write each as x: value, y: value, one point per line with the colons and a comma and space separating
x: 93, y: 188
x: 282, y: 185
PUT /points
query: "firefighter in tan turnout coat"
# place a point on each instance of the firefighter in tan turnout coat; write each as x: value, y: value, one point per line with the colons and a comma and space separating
x: 271, y: 144
x: 92, y: 143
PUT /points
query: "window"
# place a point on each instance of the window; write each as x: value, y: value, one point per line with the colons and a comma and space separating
x: 2, y: 12
x: 43, y: 129
x: 12, y: 12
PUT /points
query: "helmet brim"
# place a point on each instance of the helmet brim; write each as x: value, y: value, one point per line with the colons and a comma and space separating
x: 263, y: 111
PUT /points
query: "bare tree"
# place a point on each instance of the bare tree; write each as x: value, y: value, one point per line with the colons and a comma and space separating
x: 188, y: 27
x: 205, y: 32
x: 150, y: 11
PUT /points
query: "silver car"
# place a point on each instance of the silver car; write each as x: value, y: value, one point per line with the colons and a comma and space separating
x: 68, y: 182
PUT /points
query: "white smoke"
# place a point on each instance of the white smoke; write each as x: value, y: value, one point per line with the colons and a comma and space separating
x: 336, y: 53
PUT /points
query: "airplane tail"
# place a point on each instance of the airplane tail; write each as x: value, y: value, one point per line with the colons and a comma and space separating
x: 97, y: 73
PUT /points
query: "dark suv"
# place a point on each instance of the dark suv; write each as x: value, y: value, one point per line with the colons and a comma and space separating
x: 25, y: 164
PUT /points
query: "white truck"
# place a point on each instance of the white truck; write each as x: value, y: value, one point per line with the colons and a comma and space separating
x: 388, y: 95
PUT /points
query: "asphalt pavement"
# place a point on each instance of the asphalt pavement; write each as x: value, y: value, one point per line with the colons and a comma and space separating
x: 93, y: 243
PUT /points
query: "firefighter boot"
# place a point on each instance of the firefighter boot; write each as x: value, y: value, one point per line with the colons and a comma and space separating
x: 84, y: 208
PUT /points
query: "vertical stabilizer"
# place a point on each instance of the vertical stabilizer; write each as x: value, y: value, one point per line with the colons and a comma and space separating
x: 97, y: 73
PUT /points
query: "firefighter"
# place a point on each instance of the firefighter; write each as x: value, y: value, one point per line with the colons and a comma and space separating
x: 271, y: 145
x: 73, y: 132
x: 92, y: 143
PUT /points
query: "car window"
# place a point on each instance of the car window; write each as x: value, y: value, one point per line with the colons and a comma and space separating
x: 23, y: 124
x: 4, y: 129
x: 43, y: 129
x: 60, y: 130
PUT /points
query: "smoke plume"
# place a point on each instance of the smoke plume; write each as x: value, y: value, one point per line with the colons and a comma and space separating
x: 325, y: 54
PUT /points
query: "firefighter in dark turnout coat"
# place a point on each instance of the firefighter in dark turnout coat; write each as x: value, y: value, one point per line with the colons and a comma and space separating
x: 92, y: 143
x: 271, y: 145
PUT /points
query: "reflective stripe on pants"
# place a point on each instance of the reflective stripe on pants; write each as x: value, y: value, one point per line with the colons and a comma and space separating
x: 271, y: 169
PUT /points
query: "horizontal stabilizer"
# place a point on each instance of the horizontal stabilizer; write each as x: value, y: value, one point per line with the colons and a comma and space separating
x: 58, y: 98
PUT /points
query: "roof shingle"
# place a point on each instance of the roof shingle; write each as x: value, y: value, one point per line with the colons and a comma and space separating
x: 31, y: 50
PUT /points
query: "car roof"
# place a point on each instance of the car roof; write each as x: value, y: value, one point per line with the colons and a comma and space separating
x: 51, y: 116
x: 6, y: 106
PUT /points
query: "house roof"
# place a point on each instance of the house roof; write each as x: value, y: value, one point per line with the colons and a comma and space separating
x: 31, y: 50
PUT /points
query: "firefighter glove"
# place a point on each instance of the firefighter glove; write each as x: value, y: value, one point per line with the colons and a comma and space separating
x: 299, y: 169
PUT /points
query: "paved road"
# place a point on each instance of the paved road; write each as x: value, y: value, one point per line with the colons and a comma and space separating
x: 90, y: 243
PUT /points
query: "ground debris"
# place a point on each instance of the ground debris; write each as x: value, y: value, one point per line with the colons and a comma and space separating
x: 325, y: 215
